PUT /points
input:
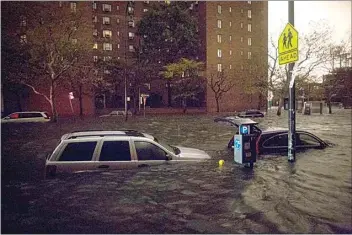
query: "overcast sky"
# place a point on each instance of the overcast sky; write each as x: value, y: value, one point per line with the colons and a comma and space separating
x: 336, y: 13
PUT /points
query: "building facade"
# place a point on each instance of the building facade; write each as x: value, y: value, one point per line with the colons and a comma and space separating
x: 233, y: 41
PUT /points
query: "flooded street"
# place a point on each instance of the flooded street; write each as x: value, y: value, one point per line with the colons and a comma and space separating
x: 312, y: 195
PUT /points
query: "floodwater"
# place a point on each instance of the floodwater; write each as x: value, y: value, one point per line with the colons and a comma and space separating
x: 312, y: 195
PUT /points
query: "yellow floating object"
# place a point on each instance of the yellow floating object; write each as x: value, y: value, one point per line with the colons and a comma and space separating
x: 221, y: 162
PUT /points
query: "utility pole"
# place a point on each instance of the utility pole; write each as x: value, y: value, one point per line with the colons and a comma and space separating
x: 292, y: 98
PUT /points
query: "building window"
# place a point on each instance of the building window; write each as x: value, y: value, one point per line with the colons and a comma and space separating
x: 130, y: 35
x: 23, y: 39
x: 23, y: 21
x: 249, y: 27
x: 219, y: 38
x: 60, y: 3
x: 94, y: 5
x: 241, y: 25
x: 118, y: 33
x: 230, y: 38
x: 131, y: 23
x: 230, y: 52
x: 219, y: 24
x: 130, y: 10
x: 95, y: 19
x: 219, y: 53
x: 145, y: 9
x: 230, y: 9
x: 130, y: 48
x: 241, y: 39
x: 249, y: 55
x: 249, y: 41
x: 249, y: 14
x: 95, y: 58
x: 95, y: 32
x: 95, y: 46
x: 117, y: 8
x: 107, y: 58
x: 107, y: 33
x: 107, y: 7
x: 241, y: 12
x: 118, y: 46
x: 230, y: 66
x: 230, y: 23
x: 249, y: 2
x: 73, y: 7
x: 219, y: 9
x: 241, y: 52
x: 107, y: 46
x: 118, y: 20
x: 74, y: 40
x: 219, y: 68
x: 106, y: 20
x: 241, y: 66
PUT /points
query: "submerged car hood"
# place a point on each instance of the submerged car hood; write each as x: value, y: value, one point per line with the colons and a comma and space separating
x: 192, y: 153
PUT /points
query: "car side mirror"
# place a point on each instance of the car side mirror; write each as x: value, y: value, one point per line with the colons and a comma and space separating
x: 168, y: 157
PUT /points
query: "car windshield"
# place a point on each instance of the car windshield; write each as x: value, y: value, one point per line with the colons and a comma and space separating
x: 171, y: 148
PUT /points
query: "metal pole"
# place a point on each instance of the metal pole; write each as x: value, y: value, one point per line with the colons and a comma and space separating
x: 292, y: 99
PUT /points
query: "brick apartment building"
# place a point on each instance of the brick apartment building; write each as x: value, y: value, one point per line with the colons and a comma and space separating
x: 232, y: 34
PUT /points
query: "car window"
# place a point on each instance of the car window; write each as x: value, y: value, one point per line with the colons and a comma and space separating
x: 115, y: 151
x: 306, y: 140
x: 14, y: 115
x: 30, y: 115
x: 149, y: 151
x: 80, y: 151
x: 280, y: 140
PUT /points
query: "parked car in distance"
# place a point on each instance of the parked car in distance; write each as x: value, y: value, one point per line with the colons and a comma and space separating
x: 275, y: 140
x: 117, y: 113
x: 99, y: 150
x: 30, y: 116
x: 253, y: 113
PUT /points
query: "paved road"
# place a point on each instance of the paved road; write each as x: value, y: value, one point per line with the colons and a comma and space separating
x: 314, y: 195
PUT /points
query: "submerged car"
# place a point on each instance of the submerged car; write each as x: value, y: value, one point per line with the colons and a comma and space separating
x: 30, y: 116
x: 274, y: 140
x: 94, y: 150
x: 252, y: 113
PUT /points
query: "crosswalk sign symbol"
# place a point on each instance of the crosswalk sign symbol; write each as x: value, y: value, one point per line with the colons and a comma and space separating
x: 288, y: 45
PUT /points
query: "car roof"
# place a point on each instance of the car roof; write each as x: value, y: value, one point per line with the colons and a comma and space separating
x: 235, y: 120
x: 98, y: 133
x: 30, y: 112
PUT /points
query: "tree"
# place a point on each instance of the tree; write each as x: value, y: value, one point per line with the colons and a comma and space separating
x: 168, y: 33
x: 187, y: 83
x: 313, y: 54
x: 220, y: 84
x: 53, y: 47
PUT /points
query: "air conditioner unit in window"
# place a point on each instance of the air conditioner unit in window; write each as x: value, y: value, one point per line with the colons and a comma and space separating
x: 106, y: 10
x: 107, y: 36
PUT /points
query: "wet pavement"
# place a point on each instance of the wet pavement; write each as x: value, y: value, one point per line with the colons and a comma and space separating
x: 313, y: 195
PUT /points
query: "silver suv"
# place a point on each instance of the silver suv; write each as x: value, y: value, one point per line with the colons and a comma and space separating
x: 96, y: 150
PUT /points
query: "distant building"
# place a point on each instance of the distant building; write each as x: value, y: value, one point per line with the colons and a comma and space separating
x: 233, y: 37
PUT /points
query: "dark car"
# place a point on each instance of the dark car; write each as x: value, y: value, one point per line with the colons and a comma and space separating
x: 275, y: 141
x: 253, y: 113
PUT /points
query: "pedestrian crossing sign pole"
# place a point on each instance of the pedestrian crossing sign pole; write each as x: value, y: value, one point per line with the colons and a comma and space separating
x: 288, y: 45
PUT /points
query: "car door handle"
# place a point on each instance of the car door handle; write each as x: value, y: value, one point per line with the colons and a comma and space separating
x: 103, y: 166
x: 143, y: 165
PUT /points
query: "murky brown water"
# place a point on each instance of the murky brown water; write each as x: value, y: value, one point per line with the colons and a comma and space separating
x: 313, y: 195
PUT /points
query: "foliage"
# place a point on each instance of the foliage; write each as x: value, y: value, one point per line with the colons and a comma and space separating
x: 186, y: 81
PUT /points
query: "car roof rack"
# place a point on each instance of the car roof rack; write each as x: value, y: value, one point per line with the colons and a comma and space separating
x: 99, y: 133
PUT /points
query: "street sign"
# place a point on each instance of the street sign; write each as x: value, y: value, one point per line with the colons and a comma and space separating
x: 288, y: 45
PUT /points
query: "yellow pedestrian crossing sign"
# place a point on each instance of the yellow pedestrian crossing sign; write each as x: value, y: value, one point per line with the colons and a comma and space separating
x: 288, y: 45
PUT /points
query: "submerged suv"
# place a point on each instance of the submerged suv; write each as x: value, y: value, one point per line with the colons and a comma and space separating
x: 94, y: 150
x: 30, y: 116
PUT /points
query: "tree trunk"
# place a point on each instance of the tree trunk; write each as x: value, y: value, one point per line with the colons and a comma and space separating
x: 169, y: 94
x: 329, y: 105
x: 281, y: 103
x: 80, y: 98
x: 52, y: 103
x: 217, y: 105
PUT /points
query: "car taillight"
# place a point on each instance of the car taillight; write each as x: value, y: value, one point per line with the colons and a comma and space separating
x: 50, y: 171
x: 46, y: 117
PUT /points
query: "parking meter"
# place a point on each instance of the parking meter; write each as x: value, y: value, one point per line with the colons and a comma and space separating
x: 245, y: 144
